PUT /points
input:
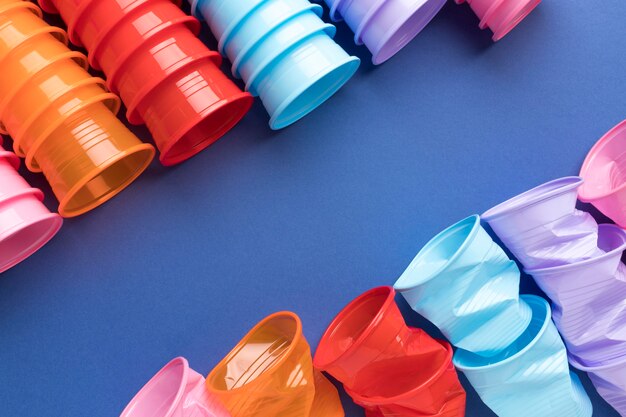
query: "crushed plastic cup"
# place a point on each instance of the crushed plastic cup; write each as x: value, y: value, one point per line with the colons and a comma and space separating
x: 588, y: 300
x: 270, y: 373
x: 605, y: 181
x: 295, y: 65
x: 501, y: 16
x: 543, y: 228
x: 609, y: 379
x: 385, y: 364
x: 26, y: 225
x: 175, y: 391
x: 465, y: 284
x: 531, y: 377
x: 61, y: 119
x: 166, y: 77
x: 385, y: 26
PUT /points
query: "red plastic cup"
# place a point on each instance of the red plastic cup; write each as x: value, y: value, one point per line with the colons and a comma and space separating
x: 385, y: 364
x: 166, y: 77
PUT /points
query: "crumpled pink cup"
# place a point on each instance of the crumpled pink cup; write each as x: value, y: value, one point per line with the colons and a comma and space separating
x: 610, y: 381
x: 604, y: 171
x: 501, y: 16
x: 26, y: 224
x: 542, y: 226
x: 588, y: 301
x: 175, y: 391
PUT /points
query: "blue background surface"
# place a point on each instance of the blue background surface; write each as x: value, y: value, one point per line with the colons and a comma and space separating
x: 305, y: 219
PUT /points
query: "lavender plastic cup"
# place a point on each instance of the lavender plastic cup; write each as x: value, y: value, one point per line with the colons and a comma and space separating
x: 609, y: 380
x: 542, y: 227
x: 385, y: 26
x: 588, y: 300
x: 465, y: 284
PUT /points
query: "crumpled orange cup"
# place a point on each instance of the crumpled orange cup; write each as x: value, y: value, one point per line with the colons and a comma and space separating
x: 270, y: 373
x: 61, y: 119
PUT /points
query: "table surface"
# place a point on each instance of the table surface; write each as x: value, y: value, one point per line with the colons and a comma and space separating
x: 305, y: 219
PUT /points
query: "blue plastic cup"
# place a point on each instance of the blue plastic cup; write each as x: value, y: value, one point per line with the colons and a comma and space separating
x: 531, y: 377
x: 283, y: 51
x: 465, y: 284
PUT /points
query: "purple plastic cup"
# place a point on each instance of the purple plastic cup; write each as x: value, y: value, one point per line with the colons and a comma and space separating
x: 385, y: 26
x: 543, y: 228
x: 609, y: 380
x: 588, y: 300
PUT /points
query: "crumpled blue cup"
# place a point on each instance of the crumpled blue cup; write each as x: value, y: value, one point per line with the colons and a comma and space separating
x: 542, y: 227
x: 283, y: 51
x: 465, y: 284
x: 531, y: 377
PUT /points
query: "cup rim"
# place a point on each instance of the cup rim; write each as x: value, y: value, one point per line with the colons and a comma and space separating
x: 515, y: 18
x: 473, y: 220
x: 349, y: 308
x: 593, y: 369
x: 297, y: 338
x: 588, y: 163
x: 179, y: 394
x: 533, y: 196
x: 586, y: 262
x: 530, y: 300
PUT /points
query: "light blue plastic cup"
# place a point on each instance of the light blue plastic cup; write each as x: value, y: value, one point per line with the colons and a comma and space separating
x: 283, y: 51
x: 531, y: 377
x: 465, y: 284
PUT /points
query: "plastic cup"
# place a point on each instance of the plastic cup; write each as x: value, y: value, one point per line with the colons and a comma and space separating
x: 465, y: 284
x: 175, y: 391
x: 609, y: 380
x: 270, y: 373
x: 605, y: 181
x: 385, y: 26
x: 166, y: 77
x: 588, y: 300
x: 501, y: 16
x: 531, y: 377
x: 542, y: 227
x: 26, y: 225
x: 294, y: 67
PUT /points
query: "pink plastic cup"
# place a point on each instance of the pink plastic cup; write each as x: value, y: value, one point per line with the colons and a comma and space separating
x: 604, y: 171
x: 609, y: 380
x: 175, y: 391
x: 26, y: 224
x: 501, y: 16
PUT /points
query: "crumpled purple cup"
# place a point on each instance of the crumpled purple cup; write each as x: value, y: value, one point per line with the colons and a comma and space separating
x: 609, y: 380
x: 543, y: 228
x: 589, y: 300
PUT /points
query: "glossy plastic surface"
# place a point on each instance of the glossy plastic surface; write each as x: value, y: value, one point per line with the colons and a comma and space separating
x: 604, y: 174
x: 175, y: 391
x: 542, y: 227
x: 61, y: 118
x: 166, y: 77
x: 270, y: 372
x: 465, y: 284
x: 501, y: 16
x: 610, y: 381
x: 26, y: 225
x: 385, y: 365
x: 282, y: 50
x: 531, y: 377
x: 385, y: 26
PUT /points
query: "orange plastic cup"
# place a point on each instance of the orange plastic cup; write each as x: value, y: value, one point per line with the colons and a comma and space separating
x: 270, y: 373
x: 62, y: 119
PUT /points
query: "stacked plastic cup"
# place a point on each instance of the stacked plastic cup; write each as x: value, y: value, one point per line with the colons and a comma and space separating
x: 531, y: 377
x: 61, y: 119
x: 25, y: 223
x: 542, y: 227
x: 465, y: 284
x: 387, y: 367
x: 605, y: 175
x: 283, y: 51
x: 167, y: 78
x: 175, y: 391
x: 501, y: 16
x: 609, y: 381
x: 270, y: 373
x: 385, y: 26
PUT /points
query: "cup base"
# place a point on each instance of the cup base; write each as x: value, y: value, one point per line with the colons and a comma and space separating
x: 516, y: 17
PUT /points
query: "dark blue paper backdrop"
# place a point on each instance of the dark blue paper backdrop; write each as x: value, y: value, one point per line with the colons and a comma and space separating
x: 305, y: 219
